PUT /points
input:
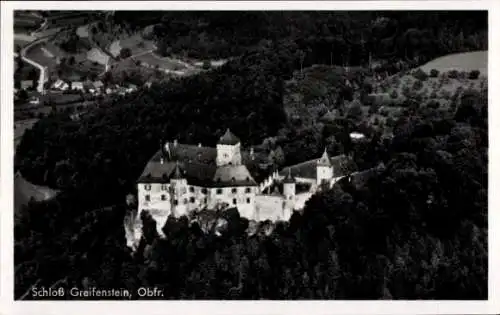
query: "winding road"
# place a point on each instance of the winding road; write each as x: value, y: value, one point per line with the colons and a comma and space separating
x: 43, y: 70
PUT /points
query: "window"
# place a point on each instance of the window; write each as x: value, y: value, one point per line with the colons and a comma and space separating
x: 233, y: 179
x: 176, y: 202
x: 148, y: 198
x: 248, y: 190
x: 185, y: 201
x: 234, y: 201
x: 163, y: 197
x: 234, y: 190
x: 248, y: 200
x: 205, y: 200
x: 248, y: 179
x: 219, y: 191
x: 191, y: 189
x: 147, y: 186
x: 164, y: 187
x: 204, y: 191
x: 191, y: 199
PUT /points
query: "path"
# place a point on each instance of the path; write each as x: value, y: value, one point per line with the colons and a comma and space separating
x: 43, y: 70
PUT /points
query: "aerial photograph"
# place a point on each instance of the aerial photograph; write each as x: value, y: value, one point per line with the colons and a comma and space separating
x: 250, y: 155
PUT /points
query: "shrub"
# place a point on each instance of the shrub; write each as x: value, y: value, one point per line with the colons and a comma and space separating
x: 418, y: 85
x: 474, y: 74
x: 125, y: 53
x: 394, y: 94
x: 434, y: 73
x: 453, y: 74
x: 384, y: 112
x: 420, y: 75
x: 433, y: 104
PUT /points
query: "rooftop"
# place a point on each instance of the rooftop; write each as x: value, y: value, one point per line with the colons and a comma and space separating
x: 198, y: 165
x: 342, y: 166
x: 229, y: 138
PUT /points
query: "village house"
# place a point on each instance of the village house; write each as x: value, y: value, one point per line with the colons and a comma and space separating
x: 27, y: 84
x: 60, y: 85
x: 181, y: 178
x: 77, y: 85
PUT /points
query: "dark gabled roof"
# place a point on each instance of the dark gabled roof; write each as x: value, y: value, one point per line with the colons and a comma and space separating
x: 342, y: 166
x: 197, y: 164
x: 229, y: 138
x: 177, y: 173
x: 289, y: 178
x: 324, y: 160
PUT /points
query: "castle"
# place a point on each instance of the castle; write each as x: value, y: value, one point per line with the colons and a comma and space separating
x: 181, y: 178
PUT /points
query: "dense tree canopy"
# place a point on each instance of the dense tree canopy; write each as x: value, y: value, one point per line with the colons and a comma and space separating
x: 324, y: 37
x: 414, y: 226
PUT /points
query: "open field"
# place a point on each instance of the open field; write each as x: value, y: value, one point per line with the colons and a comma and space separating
x: 25, y: 22
x: 477, y: 60
x: 70, y: 18
x: 40, y: 56
x: 152, y: 60
x: 18, y: 42
x: 135, y: 43
x: 20, y: 128
x: 24, y: 191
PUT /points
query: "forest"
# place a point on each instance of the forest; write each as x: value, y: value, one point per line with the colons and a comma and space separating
x: 416, y: 228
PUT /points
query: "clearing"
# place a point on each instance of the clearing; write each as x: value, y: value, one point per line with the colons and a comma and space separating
x: 136, y: 43
x: 477, y: 60
x: 25, y: 191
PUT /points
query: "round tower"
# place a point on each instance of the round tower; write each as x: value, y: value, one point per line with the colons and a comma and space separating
x: 178, y: 184
x: 324, y: 169
x: 289, y: 185
x: 228, y: 150
x: 289, y: 195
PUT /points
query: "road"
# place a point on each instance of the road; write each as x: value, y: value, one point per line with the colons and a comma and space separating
x: 43, y: 70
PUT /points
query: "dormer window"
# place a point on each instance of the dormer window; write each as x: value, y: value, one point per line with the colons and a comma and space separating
x: 233, y: 179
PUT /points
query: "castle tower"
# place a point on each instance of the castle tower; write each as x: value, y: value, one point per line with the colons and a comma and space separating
x: 228, y: 149
x: 324, y: 169
x: 178, y: 184
x: 289, y: 186
x: 289, y: 195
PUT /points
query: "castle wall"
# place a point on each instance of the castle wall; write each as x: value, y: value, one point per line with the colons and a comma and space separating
x: 301, y: 199
x: 269, y: 207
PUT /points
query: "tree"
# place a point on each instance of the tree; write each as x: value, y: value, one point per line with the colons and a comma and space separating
x: 125, y: 53
x: 474, y: 74
x: 434, y: 73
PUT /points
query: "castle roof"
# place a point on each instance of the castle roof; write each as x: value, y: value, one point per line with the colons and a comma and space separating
x: 229, y: 138
x: 289, y: 178
x: 324, y: 160
x: 342, y: 166
x: 177, y: 173
x: 198, y: 165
